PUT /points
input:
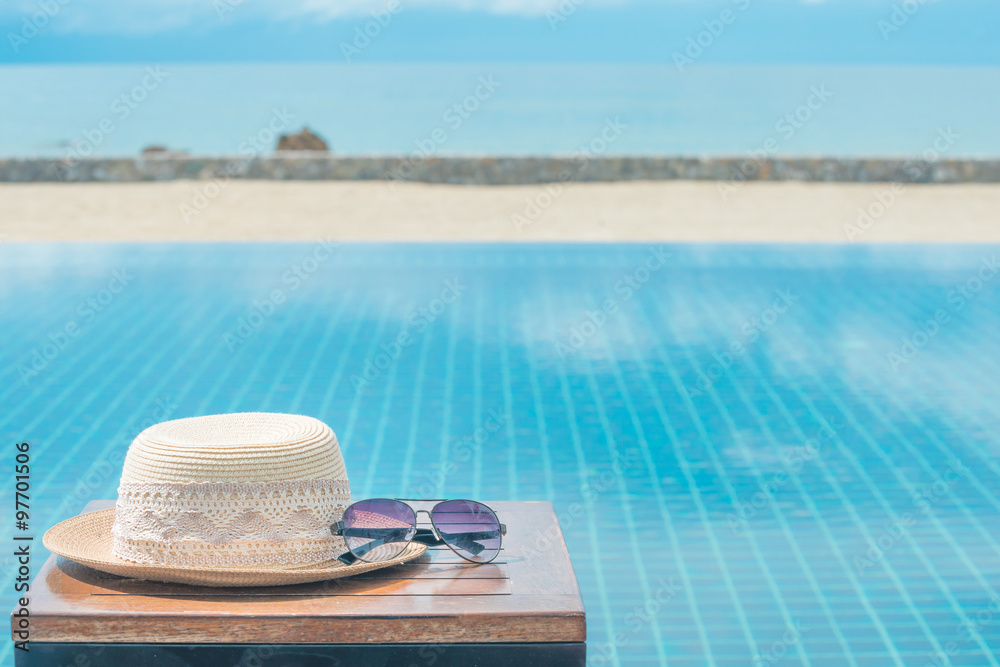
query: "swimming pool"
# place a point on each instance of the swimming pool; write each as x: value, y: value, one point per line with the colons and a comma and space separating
x: 761, y: 454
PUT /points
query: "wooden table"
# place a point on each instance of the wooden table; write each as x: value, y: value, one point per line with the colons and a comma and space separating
x: 522, y: 609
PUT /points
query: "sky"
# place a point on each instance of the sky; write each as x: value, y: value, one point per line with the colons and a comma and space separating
x: 919, y: 32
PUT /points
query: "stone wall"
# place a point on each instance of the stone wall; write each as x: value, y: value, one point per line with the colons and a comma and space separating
x: 497, y: 170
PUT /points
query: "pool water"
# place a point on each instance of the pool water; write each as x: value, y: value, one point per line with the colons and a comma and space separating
x: 772, y: 455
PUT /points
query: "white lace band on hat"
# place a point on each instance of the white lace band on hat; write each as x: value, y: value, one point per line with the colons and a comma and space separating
x: 240, y: 524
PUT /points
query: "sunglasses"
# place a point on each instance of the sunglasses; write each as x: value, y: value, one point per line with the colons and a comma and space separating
x: 380, y: 529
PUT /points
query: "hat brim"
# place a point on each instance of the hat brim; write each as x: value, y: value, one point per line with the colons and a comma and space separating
x: 86, y: 539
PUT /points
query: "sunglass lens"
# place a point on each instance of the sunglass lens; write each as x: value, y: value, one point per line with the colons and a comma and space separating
x: 470, y: 528
x: 378, y: 530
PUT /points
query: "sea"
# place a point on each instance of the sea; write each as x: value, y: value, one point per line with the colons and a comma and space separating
x: 501, y: 109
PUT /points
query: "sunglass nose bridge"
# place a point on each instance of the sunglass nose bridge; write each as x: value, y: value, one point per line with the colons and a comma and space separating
x: 417, y: 514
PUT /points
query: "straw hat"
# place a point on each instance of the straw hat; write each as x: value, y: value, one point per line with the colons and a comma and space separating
x: 225, y: 500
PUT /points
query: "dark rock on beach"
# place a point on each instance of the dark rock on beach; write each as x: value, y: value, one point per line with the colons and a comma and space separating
x: 157, y: 150
x: 303, y: 141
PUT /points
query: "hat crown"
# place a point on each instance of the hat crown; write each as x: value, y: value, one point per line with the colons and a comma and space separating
x: 237, y: 490
x: 241, y: 447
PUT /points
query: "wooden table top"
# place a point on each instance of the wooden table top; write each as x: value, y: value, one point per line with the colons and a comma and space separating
x: 528, y: 594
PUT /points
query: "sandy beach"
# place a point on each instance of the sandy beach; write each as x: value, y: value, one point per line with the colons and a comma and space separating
x: 374, y: 210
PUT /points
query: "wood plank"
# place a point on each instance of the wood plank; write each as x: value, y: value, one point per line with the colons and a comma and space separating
x: 353, y: 587
x: 413, y: 578
x: 246, y: 628
x: 529, y: 594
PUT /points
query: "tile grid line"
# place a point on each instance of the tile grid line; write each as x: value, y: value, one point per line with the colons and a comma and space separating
x: 95, y: 426
x: 54, y: 378
x: 11, y: 358
x: 851, y: 510
x: 866, y: 603
x: 345, y: 298
x: 824, y: 526
x: 581, y: 459
x: 477, y: 391
x: 416, y: 395
x: 539, y: 406
x: 508, y: 402
x: 892, y: 514
x: 347, y: 442
x: 925, y: 464
x: 776, y: 509
x: 383, y: 422
x: 709, y: 445
x: 296, y: 306
x: 946, y: 534
x: 654, y: 475
x: 292, y: 354
x: 975, y: 571
x: 106, y: 381
x: 944, y: 416
x: 444, y: 456
x: 338, y: 372
x: 623, y: 495
x: 228, y: 367
x: 702, y: 509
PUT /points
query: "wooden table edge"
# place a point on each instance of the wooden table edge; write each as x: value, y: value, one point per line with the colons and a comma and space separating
x: 559, y: 628
x: 562, y: 620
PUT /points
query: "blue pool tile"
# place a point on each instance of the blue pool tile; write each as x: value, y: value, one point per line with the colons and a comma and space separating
x: 736, y: 485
